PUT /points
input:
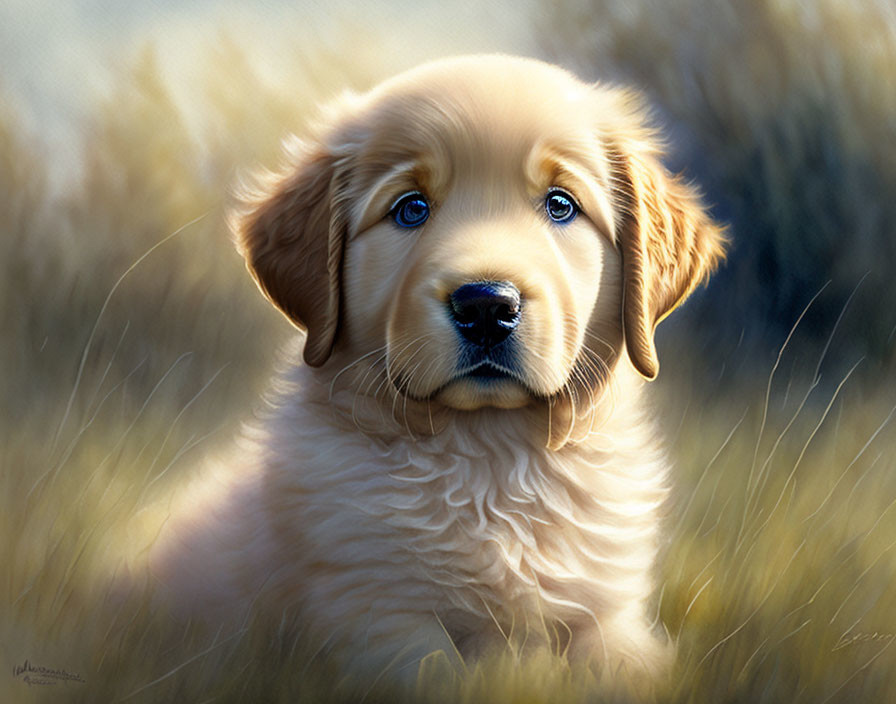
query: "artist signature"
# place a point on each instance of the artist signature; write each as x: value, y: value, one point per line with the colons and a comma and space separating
x: 32, y: 674
x: 848, y: 639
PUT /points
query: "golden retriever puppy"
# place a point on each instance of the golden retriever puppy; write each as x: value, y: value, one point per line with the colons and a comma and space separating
x: 478, y: 251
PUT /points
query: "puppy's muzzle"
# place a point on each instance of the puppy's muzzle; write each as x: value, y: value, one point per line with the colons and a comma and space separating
x: 485, y: 313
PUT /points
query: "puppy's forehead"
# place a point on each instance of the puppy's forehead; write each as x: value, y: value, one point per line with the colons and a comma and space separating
x: 478, y: 113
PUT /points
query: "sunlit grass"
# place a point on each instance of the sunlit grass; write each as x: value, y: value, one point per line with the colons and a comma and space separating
x: 775, y: 581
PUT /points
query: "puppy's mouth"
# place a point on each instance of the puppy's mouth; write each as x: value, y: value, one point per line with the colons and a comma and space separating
x: 470, y: 376
x: 483, y: 374
x: 487, y: 371
x: 475, y: 385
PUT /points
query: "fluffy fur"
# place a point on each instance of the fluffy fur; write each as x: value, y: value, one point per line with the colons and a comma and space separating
x: 389, y: 502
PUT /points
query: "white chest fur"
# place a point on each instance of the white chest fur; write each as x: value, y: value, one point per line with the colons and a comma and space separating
x: 371, y: 540
x: 477, y: 522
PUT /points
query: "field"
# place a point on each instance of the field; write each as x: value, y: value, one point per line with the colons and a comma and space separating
x: 134, y: 344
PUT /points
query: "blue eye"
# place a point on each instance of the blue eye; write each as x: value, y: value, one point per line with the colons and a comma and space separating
x: 560, y: 206
x: 411, y: 210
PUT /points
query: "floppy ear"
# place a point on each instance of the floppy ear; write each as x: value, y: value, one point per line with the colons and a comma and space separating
x: 291, y: 231
x: 668, y: 242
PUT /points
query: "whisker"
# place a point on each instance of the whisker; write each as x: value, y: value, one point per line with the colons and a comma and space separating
x: 360, y: 389
x: 352, y: 364
x: 432, y: 363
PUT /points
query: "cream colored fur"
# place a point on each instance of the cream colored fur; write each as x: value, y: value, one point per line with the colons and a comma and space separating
x: 385, y: 503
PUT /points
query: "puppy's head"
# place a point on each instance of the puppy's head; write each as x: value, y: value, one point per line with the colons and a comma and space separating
x: 485, y: 231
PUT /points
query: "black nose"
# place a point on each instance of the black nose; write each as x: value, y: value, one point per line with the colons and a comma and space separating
x: 486, y: 312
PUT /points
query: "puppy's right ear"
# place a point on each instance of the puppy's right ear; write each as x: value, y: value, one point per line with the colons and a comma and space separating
x: 668, y: 240
x: 291, y: 230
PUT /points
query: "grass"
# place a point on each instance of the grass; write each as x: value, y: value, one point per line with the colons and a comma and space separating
x: 131, y: 352
x: 781, y: 559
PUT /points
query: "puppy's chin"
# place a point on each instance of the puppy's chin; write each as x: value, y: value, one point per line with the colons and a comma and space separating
x: 469, y: 394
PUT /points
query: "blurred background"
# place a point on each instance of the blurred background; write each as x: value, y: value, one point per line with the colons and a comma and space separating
x: 133, y: 343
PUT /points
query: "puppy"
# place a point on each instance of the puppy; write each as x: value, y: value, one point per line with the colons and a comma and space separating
x: 478, y: 252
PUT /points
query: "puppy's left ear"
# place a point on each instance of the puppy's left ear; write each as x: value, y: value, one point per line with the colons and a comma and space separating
x: 291, y: 230
x: 668, y: 242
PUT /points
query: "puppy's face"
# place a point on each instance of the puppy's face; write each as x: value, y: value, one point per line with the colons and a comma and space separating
x: 481, y: 254
x: 485, y: 231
